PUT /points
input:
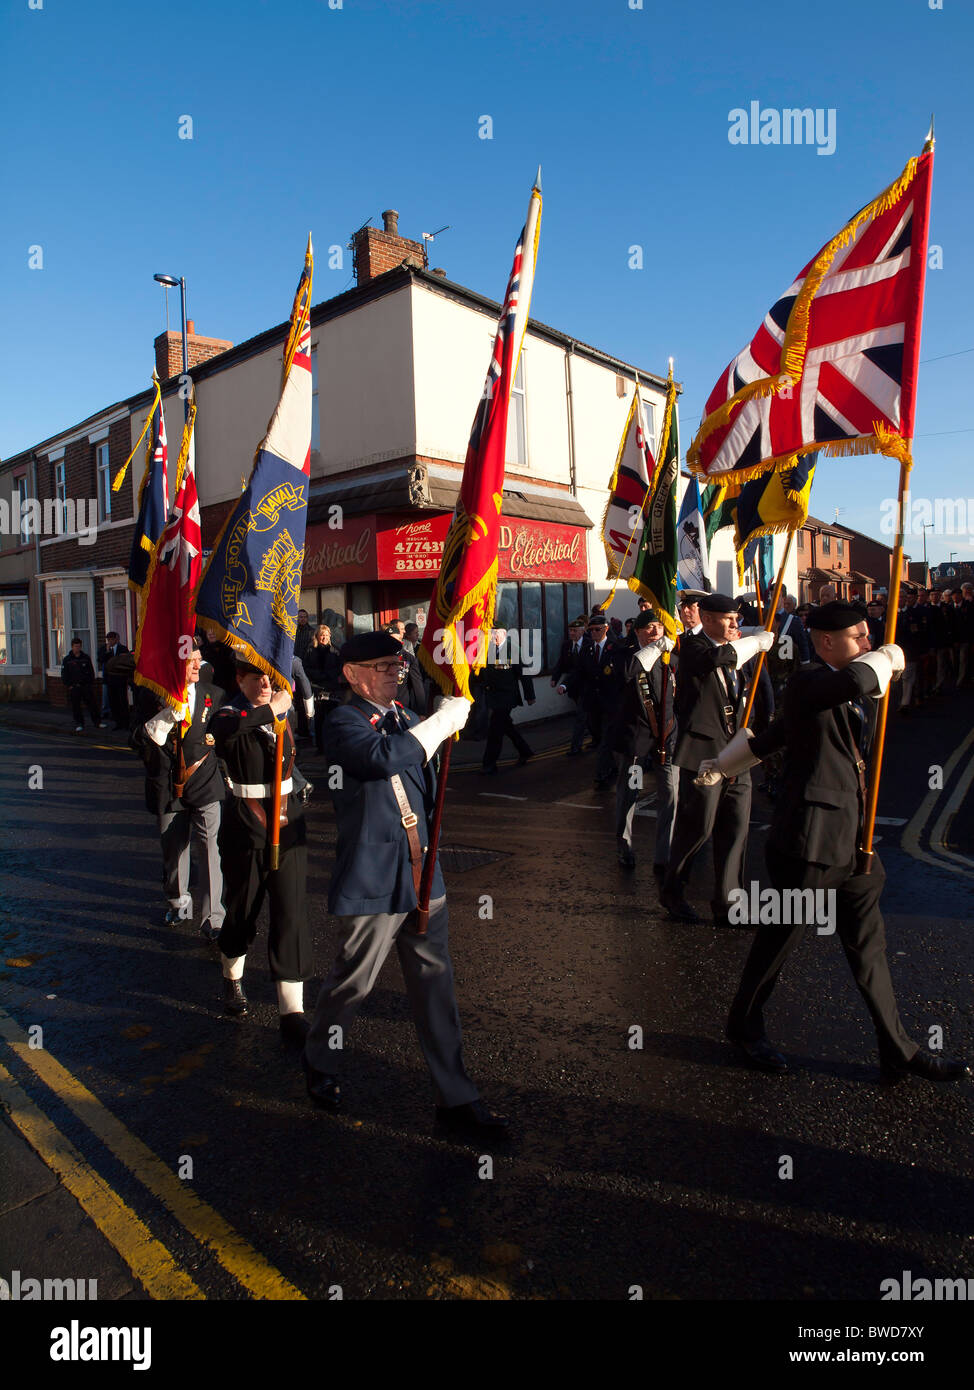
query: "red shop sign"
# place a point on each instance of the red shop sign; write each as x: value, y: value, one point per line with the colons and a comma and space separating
x: 527, y: 549
x: 337, y: 555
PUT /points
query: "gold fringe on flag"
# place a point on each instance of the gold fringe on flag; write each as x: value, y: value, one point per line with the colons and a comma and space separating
x: 119, y: 478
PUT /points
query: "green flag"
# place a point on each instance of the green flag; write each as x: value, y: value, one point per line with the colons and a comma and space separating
x: 654, y: 574
x: 718, y: 502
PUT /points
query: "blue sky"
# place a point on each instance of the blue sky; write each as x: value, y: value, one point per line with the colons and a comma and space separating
x: 305, y: 116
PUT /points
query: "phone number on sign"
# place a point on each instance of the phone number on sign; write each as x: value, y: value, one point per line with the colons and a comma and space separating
x: 418, y: 547
x: 415, y: 562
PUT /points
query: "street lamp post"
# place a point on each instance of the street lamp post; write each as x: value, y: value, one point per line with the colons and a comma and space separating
x: 170, y: 282
x: 927, y: 526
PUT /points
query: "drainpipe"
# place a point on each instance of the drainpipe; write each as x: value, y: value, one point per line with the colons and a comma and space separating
x: 39, y: 591
x: 570, y: 400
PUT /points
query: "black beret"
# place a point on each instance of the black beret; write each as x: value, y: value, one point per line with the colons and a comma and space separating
x: 580, y: 621
x: 836, y: 616
x: 369, y: 646
x: 245, y: 666
x: 597, y: 619
x: 644, y: 619
x: 718, y: 603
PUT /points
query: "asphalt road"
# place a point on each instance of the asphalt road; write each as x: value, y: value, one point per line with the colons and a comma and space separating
x: 658, y: 1166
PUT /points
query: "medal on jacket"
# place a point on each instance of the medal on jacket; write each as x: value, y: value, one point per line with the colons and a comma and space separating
x: 607, y: 670
x: 209, y: 739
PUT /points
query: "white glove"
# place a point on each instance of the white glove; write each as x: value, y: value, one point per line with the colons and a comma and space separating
x: 159, y: 725
x: 746, y: 647
x: 729, y: 762
x: 883, y: 664
x: 896, y: 656
x: 449, y: 717
x: 666, y: 644
x: 309, y: 706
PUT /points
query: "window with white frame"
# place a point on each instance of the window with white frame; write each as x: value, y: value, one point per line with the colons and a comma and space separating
x: 104, y: 481
x: 80, y: 622
x: 56, y: 650
x: 517, y: 431
x: 61, y: 492
x: 21, y: 500
x: 14, y: 636
x: 649, y: 420
x: 117, y: 613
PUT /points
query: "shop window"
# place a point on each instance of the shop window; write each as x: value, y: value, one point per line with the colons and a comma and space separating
x: 554, y: 622
x: 361, y: 606
x: 14, y: 639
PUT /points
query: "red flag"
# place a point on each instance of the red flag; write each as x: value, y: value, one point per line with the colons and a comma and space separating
x: 834, y: 365
x: 165, y: 637
x: 467, y: 583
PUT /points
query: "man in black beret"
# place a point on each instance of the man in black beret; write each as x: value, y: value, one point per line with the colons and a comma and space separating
x: 812, y: 847
x: 245, y: 739
x: 646, y: 737
x: 567, y: 678
x: 712, y: 686
x: 383, y: 788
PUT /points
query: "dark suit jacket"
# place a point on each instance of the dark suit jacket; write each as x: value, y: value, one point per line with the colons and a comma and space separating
x: 634, y: 735
x: 504, y: 684
x: 701, y: 696
x: 818, y: 812
x: 206, y: 784
x: 567, y: 670
x: 602, y: 679
x: 372, y: 870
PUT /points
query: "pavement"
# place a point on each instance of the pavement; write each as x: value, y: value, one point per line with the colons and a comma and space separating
x: 168, y: 1152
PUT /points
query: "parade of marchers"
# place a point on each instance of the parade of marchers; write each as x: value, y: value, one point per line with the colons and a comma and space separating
x: 661, y: 723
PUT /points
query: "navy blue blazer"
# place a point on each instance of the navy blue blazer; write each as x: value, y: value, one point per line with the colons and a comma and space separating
x: 372, y: 870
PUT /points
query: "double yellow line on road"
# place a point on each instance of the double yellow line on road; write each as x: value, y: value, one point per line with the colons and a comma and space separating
x: 149, y: 1260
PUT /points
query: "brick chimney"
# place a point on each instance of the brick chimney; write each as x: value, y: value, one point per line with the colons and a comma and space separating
x: 377, y: 252
x: 169, y: 350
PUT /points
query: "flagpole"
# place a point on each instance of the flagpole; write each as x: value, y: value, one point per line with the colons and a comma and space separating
x: 768, y: 627
x: 420, y: 923
x: 757, y: 591
x: 879, y: 739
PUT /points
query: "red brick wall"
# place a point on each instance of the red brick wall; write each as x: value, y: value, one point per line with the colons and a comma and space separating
x: 378, y: 252
x: 169, y: 352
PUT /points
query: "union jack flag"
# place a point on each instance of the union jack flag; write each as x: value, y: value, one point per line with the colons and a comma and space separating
x: 153, y: 499
x: 834, y: 365
x: 165, y: 637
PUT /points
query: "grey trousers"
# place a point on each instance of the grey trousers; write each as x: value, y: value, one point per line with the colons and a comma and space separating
x: 667, y: 782
x: 176, y: 829
x: 428, y: 972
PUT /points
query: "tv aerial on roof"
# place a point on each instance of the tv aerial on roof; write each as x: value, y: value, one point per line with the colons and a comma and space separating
x: 427, y: 238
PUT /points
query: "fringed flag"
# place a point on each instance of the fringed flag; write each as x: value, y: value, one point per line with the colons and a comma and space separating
x: 153, y: 493
x: 462, y: 606
x: 834, y: 365
x: 250, y: 590
x: 165, y: 637
x: 718, y: 502
x: 654, y: 576
x: 622, y: 524
x: 775, y: 502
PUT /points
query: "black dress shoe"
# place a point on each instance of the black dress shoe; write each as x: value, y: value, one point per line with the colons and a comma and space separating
x: 761, y: 1055
x: 234, y: 999
x: 524, y: 758
x: 677, y: 907
x: 627, y: 859
x: 323, y: 1089
x: 474, y: 1119
x: 926, y: 1065
x: 210, y: 934
x: 294, y: 1028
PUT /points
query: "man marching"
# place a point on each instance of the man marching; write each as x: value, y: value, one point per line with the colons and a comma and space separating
x: 814, y: 837
x: 711, y: 696
x: 383, y: 789
x: 184, y: 788
x: 245, y: 740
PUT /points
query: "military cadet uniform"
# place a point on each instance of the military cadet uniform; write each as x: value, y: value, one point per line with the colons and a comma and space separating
x: 647, y: 722
x: 602, y: 673
x: 505, y: 688
x: 383, y: 804
x: 813, y: 844
x: 184, y: 789
x: 246, y: 742
x: 711, y: 696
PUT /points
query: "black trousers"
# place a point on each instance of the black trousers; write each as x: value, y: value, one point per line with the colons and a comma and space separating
x: 721, y: 812
x: 118, y: 703
x: 84, y: 693
x: 247, y: 879
x: 859, y: 926
x: 499, y: 725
